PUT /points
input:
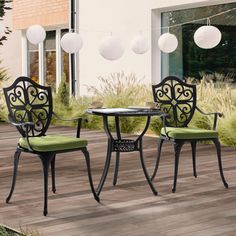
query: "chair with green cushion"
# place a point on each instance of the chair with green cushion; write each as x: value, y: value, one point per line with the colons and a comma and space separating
x: 30, y: 109
x: 178, y: 99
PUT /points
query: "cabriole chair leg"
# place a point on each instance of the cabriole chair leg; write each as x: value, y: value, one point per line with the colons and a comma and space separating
x: 86, y: 154
x: 46, y: 160
x: 218, y: 150
x: 145, y: 170
x: 16, y: 162
x: 193, y: 145
x: 53, y: 174
x: 177, y: 149
x: 160, y: 142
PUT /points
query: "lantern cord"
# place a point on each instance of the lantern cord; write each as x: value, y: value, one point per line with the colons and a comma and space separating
x: 208, y: 18
x: 200, y: 19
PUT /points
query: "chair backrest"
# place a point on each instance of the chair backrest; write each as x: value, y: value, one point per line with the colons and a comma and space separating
x: 28, y: 101
x: 176, y: 98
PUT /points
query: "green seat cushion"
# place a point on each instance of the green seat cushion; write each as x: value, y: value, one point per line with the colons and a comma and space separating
x: 189, y: 133
x: 52, y: 143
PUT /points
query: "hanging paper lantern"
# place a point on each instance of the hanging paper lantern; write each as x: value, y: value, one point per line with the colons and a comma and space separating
x: 71, y: 42
x: 111, y: 48
x: 35, y: 34
x: 207, y: 36
x: 168, y: 42
x: 140, y: 45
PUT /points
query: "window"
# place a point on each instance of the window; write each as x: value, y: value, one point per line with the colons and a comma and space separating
x: 65, y: 61
x: 33, y: 62
x: 50, y: 58
x: 50, y: 66
x: 189, y: 60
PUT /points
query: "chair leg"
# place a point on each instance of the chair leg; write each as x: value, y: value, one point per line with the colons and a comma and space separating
x: 86, y: 154
x: 53, y: 174
x: 46, y: 160
x: 218, y: 150
x: 145, y: 170
x: 105, y: 169
x: 194, y: 144
x: 160, y: 142
x: 116, y: 168
x: 177, y: 147
x: 16, y: 162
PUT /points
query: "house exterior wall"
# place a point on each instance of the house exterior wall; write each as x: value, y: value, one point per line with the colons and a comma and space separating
x: 42, y: 12
x: 125, y: 19
x: 96, y: 19
x: 10, y: 52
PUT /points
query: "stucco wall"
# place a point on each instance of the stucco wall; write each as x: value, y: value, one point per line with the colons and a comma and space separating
x: 125, y: 18
x: 10, y: 52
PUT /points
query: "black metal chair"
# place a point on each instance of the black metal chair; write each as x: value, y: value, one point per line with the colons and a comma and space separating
x: 178, y: 99
x: 30, y: 109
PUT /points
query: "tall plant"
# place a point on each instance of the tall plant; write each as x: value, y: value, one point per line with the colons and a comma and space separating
x: 3, y: 8
x: 121, y: 90
x: 3, y: 78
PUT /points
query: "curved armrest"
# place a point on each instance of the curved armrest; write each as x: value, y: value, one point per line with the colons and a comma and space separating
x: 164, y: 116
x: 25, y: 126
x: 216, y: 114
x: 79, y: 122
x: 22, y: 124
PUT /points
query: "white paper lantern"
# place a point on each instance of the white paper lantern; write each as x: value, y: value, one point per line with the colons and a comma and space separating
x: 207, y: 36
x: 71, y: 42
x: 140, y: 45
x: 168, y: 42
x: 111, y: 48
x: 35, y: 34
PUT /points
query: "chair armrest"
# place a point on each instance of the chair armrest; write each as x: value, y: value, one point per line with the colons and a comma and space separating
x: 216, y: 114
x: 25, y: 126
x: 164, y: 116
x: 78, y: 119
x: 22, y: 124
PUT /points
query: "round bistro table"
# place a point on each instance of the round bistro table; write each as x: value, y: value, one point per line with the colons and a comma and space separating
x: 118, y: 144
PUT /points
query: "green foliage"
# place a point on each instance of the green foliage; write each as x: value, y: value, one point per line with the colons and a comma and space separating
x: 201, y: 121
x: 3, y: 81
x: 120, y: 90
x: 156, y: 125
x: 227, y: 130
x: 63, y: 94
x: 3, y: 9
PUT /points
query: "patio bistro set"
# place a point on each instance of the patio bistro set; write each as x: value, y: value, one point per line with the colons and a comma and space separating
x: 31, y: 109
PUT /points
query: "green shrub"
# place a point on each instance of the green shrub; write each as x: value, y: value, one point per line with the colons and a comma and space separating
x: 227, y: 130
x: 3, y: 82
x: 156, y: 125
x: 120, y: 90
x: 63, y: 94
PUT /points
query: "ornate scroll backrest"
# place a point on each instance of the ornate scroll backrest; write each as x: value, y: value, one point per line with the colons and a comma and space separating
x: 28, y: 101
x: 176, y: 98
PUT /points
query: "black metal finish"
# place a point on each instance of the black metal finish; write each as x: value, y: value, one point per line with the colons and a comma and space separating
x: 193, y: 145
x: 119, y: 144
x: 159, y: 146
x: 53, y: 174
x: 28, y: 101
x: 30, y: 110
x: 178, y: 100
x: 72, y: 55
x: 177, y: 148
x: 16, y: 162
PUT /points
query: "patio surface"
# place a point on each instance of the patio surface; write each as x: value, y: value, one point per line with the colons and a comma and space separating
x: 200, y: 207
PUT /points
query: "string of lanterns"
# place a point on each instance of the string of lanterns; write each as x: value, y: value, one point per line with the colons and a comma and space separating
x: 111, y: 47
